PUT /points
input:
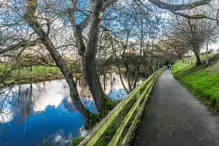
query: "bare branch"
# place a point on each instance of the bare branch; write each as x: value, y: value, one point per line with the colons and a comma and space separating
x: 179, y: 7
x: 20, y: 45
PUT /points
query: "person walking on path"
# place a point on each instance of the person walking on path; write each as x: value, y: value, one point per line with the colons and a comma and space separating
x: 169, y: 66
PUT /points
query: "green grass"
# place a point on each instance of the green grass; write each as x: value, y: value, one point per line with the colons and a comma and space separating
x: 37, y: 73
x: 203, y: 83
x: 34, y: 74
x: 179, y: 66
x: 21, y: 73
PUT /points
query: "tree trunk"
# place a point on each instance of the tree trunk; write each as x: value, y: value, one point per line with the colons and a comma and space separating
x: 189, y: 59
x: 121, y: 79
x: 118, y: 66
x: 81, y: 50
x: 158, y: 64
x: 94, y: 83
x: 111, y: 81
x: 198, y: 59
x: 60, y: 62
x: 207, y: 53
x: 104, y: 81
x: 82, y: 63
x: 31, y: 19
x: 128, y: 76
x: 136, y: 76
x: 151, y: 66
x: 90, y: 61
x: 79, y: 43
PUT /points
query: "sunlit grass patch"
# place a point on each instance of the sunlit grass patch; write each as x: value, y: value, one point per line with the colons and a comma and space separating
x: 202, y: 81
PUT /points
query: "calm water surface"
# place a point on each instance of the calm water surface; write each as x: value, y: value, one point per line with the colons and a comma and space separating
x: 34, y: 113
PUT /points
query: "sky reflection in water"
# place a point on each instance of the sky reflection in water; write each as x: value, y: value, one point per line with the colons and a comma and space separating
x: 47, y: 112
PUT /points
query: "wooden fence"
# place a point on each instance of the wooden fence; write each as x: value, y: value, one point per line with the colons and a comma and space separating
x: 140, y: 96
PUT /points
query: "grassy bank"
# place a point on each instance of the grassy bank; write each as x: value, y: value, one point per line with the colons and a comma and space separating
x: 32, y: 74
x: 202, y: 81
x: 36, y: 74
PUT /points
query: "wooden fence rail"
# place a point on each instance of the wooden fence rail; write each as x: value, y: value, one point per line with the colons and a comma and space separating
x: 141, y: 94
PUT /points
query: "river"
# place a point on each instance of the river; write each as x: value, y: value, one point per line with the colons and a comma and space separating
x: 31, y: 114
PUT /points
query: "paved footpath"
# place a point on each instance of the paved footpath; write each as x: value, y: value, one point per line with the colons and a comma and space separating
x: 174, y: 117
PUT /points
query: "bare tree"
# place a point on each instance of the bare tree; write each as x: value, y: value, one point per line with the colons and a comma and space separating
x: 192, y: 34
x: 31, y: 23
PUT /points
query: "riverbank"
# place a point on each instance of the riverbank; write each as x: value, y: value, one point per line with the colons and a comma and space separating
x: 37, y: 74
x: 53, y: 97
x: 202, y: 81
x: 31, y: 75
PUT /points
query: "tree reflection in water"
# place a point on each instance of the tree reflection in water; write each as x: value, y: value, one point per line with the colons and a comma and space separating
x: 32, y: 113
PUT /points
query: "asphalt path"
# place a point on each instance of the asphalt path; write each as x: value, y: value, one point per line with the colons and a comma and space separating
x: 174, y: 117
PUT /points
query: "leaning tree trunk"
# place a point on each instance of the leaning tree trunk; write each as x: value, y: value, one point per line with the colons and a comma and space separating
x: 79, y: 43
x: 81, y: 50
x: 31, y: 19
x: 90, y: 60
x: 198, y: 59
x: 94, y: 83
x: 104, y: 81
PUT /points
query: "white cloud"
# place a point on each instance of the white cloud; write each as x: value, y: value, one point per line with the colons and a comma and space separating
x: 53, y: 94
x: 6, y: 116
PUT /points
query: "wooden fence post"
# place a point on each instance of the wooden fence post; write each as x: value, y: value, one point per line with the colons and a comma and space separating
x: 118, y: 123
